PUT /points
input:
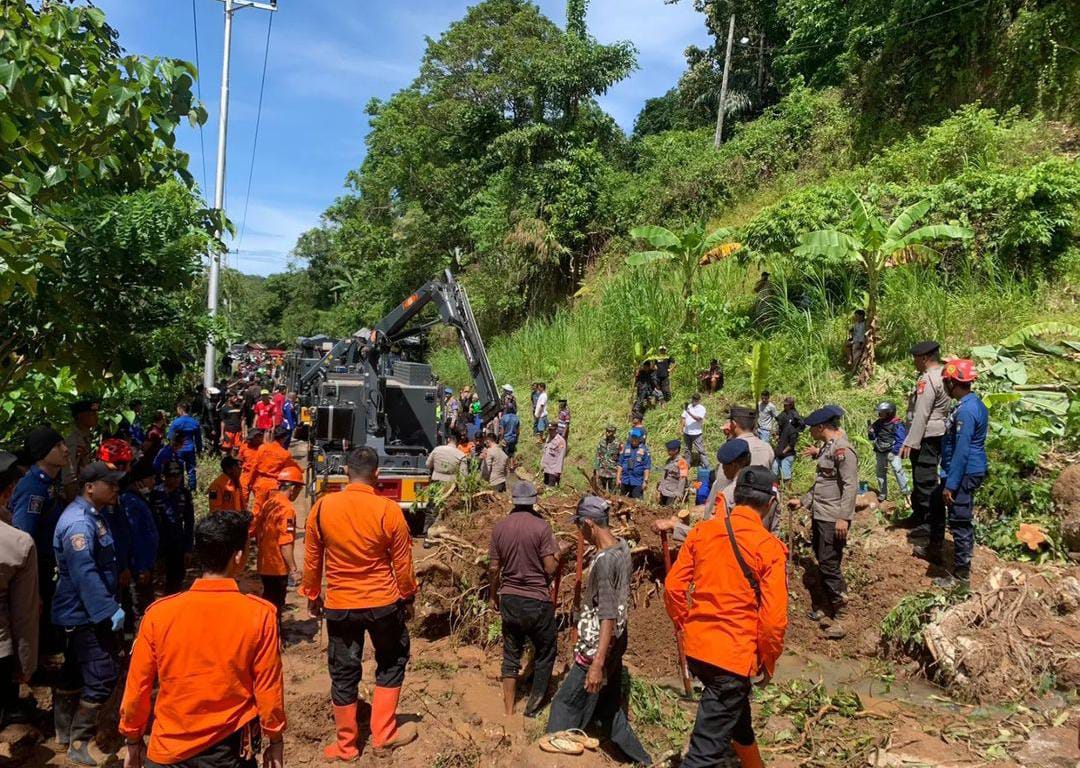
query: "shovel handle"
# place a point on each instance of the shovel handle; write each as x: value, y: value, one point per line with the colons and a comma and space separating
x: 577, y: 582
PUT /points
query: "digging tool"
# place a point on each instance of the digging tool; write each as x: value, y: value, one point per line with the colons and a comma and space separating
x: 577, y: 584
x: 684, y: 673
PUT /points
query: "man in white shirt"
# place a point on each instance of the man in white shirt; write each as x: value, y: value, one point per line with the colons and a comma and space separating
x: 540, y: 411
x: 693, y: 419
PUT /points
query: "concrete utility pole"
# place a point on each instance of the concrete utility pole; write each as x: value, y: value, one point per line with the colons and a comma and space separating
x: 231, y: 7
x: 718, y: 139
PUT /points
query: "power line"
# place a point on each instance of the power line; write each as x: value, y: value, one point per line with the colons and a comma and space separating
x: 198, y: 91
x: 255, y: 141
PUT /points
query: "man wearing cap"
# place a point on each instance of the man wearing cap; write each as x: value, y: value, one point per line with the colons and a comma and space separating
x: 85, y: 415
x: 733, y: 456
x: 189, y: 428
x: 174, y: 514
x: 635, y: 463
x: 508, y: 398
x: 134, y: 501
x: 232, y: 424
x: 87, y: 608
x: 117, y: 454
x: 672, y: 485
x: 606, y: 465
x: 741, y: 421
x: 249, y: 449
x: 727, y: 596
x: 551, y: 462
x: 593, y: 687
x: 665, y: 364
x: 790, y: 424
x: 927, y: 407
x: 275, y: 533
x: 35, y: 507
x: 493, y: 463
x: 964, y: 465
x: 19, y: 608
x: 364, y: 543
x: 693, y: 424
x: 831, y: 502
x: 523, y: 559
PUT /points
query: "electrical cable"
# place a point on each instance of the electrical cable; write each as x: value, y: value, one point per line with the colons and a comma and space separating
x: 255, y: 140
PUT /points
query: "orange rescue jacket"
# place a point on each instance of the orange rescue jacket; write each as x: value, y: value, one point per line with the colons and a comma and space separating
x: 213, y: 652
x: 271, y: 458
x: 712, y: 603
x: 224, y: 495
x: 366, y: 547
x: 276, y: 528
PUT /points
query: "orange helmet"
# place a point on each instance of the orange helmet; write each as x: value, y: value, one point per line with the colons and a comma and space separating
x: 291, y: 475
x: 960, y: 370
x: 115, y: 451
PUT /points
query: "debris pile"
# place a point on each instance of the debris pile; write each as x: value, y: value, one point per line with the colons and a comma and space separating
x: 1019, y: 632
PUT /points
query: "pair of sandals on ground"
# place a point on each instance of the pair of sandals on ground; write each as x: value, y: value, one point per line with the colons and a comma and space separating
x: 572, y: 742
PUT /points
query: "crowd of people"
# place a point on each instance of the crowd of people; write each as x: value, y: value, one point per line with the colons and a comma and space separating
x: 98, y: 536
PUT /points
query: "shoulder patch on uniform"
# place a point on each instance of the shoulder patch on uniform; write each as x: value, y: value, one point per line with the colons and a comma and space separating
x: 78, y: 542
x: 34, y: 506
x: 921, y: 387
x: 839, y: 454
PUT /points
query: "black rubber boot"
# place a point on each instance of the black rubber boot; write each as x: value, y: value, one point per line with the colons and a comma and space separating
x: 64, y: 705
x: 84, y: 727
x: 931, y: 553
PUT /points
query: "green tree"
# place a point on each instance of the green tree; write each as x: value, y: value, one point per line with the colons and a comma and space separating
x: 101, y: 233
x: 874, y: 247
x: 689, y: 251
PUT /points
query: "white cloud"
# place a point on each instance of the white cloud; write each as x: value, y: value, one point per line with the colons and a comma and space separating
x: 270, y: 234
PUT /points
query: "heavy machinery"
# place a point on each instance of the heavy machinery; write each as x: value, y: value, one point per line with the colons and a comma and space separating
x: 365, y: 391
x: 309, y: 352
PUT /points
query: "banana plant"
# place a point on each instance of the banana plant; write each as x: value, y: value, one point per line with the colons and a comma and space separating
x: 874, y: 246
x: 690, y: 250
x: 758, y: 365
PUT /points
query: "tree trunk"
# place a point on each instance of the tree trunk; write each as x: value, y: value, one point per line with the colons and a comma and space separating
x: 864, y: 367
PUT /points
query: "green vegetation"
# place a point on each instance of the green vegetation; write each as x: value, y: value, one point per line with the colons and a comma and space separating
x: 656, y: 707
x: 102, y: 230
x: 902, y: 627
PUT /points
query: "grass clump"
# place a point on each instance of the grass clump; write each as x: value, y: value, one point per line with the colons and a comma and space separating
x: 902, y: 627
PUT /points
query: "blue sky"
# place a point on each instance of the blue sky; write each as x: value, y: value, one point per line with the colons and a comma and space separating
x: 327, y: 59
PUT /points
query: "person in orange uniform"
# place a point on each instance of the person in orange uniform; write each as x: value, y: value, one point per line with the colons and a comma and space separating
x: 219, y: 683
x: 249, y: 449
x: 271, y: 458
x: 732, y: 619
x: 275, y: 533
x: 364, y: 542
x: 224, y: 494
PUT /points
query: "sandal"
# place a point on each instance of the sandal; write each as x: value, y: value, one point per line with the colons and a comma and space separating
x: 580, y: 737
x: 557, y: 744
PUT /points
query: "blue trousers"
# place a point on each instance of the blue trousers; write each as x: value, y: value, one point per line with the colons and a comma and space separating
x: 188, y: 457
x: 960, y: 522
x: 91, y: 661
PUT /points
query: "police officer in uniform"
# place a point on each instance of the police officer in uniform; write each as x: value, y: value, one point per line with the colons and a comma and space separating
x: 831, y: 502
x: 927, y: 407
x: 87, y: 608
x: 174, y: 514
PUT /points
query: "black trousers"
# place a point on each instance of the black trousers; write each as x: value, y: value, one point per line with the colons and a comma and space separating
x: 91, y: 661
x: 551, y: 480
x: 275, y: 589
x: 926, y: 501
x: 723, y: 716
x: 389, y: 637
x: 172, y: 557
x: 606, y: 483
x: 9, y: 689
x: 633, y: 491
x: 240, y: 750
x: 574, y: 707
x: 829, y: 552
x: 525, y: 619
